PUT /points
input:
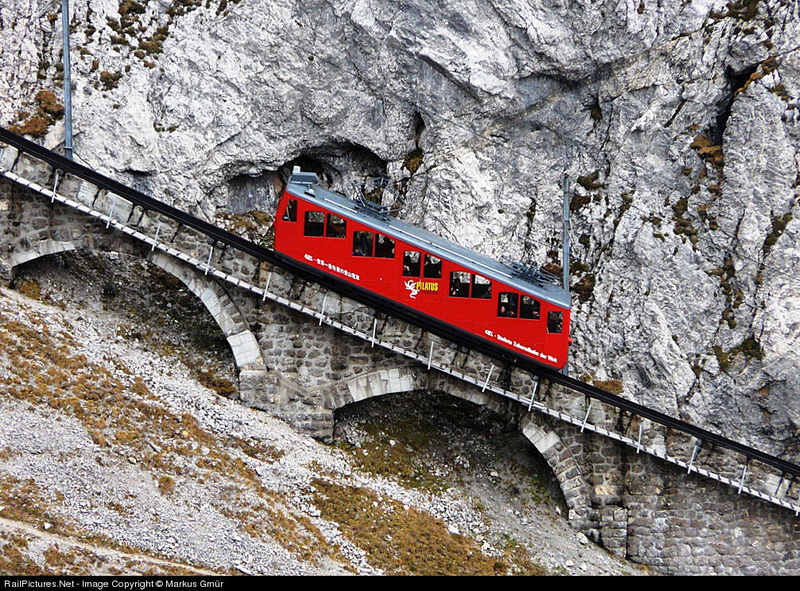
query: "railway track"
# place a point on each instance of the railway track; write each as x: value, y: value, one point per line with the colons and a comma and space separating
x: 747, y: 469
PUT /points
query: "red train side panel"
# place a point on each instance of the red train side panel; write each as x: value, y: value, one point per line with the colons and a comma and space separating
x: 326, y: 231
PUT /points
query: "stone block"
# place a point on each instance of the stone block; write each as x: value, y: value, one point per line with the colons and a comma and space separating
x: 245, y: 348
x: 33, y: 170
x: 8, y: 154
x: 85, y: 192
x: 6, y: 272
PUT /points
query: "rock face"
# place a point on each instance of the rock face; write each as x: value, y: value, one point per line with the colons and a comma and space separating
x: 678, y: 126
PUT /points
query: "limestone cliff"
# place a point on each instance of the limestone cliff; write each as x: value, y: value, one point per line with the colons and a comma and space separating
x: 677, y: 124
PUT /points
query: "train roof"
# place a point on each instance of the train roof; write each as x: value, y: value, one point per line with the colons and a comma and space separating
x: 305, y: 185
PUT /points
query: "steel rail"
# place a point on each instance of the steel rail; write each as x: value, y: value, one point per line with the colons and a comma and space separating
x: 136, y: 197
x: 386, y: 306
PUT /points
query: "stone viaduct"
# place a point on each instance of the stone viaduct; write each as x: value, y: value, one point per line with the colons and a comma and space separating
x: 298, y: 368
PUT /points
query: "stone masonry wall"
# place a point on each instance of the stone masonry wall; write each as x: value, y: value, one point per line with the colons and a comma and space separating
x: 654, y: 513
x: 683, y: 523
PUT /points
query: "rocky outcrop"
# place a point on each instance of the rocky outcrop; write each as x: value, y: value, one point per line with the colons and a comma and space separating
x: 678, y: 126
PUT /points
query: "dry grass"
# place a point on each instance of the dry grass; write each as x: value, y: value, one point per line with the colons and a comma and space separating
x: 610, y: 386
x: 30, y: 288
x: 395, y: 449
x: 23, y: 501
x: 270, y: 518
x: 48, y: 111
x: 14, y: 559
x: 407, y: 541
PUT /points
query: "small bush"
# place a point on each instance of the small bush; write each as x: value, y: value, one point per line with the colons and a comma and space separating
x: 610, y: 386
x: 413, y: 160
x: 709, y: 152
x: 166, y: 484
x: 48, y: 111
x: 110, y: 80
x: 590, y: 181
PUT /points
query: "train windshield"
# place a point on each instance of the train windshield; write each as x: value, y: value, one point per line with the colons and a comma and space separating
x: 555, y: 322
x: 290, y: 213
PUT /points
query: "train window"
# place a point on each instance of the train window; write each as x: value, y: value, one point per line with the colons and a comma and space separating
x: 315, y: 223
x: 555, y: 322
x: 481, y: 287
x: 529, y: 308
x: 336, y: 227
x: 433, y: 267
x: 290, y: 213
x: 459, y: 284
x: 507, y: 304
x: 384, y: 247
x: 362, y: 244
x: 411, y: 260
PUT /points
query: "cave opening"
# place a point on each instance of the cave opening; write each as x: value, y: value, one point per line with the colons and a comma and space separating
x: 339, y: 165
x: 735, y: 82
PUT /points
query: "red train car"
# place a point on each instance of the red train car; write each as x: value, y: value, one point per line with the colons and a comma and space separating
x: 355, y: 243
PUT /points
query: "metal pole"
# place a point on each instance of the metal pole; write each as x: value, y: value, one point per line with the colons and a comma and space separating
x: 67, y: 80
x: 533, y: 394
x: 691, y: 461
x: 744, y: 475
x: 155, y: 240
x: 266, y: 287
x: 208, y: 262
x: 488, y: 377
x: 55, y: 186
x: 565, y: 256
x: 113, y: 206
x: 586, y: 418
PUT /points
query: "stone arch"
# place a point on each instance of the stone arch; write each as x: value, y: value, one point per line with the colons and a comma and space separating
x: 243, y: 343
x: 40, y: 248
x: 548, y: 443
x: 563, y: 464
x: 26, y: 223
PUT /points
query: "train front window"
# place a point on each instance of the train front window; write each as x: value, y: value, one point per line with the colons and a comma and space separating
x: 362, y: 244
x: 411, y: 260
x: 314, y: 224
x: 507, y: 304
x: 529, y: 308
x: 459, y: 284
x: 384, y: 247
x: 336, y: 227
x: 433, y: 267
x: 290, y: 213
x: 481, y: 287
x: 555, y: 322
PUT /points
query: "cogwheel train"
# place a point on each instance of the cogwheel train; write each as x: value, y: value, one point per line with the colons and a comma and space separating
x: 470, y: 295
